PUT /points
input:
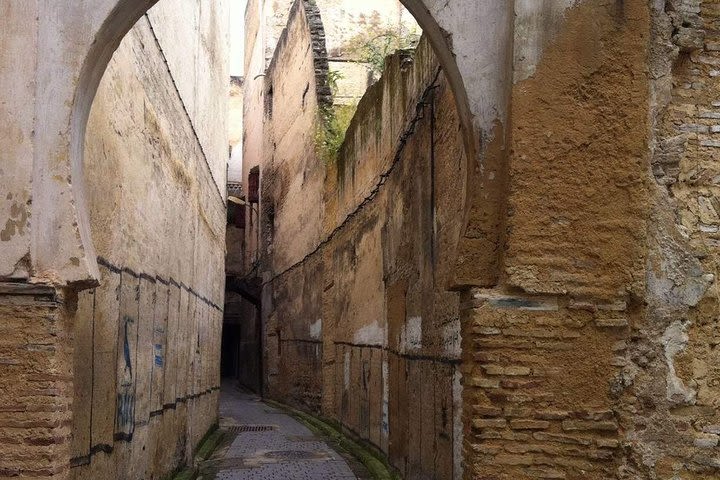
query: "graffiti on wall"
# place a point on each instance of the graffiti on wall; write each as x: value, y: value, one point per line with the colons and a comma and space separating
x: 125, y: 410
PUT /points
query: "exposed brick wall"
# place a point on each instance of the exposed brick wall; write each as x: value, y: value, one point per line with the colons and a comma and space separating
x: 537, y: 397
x: 35, y: 381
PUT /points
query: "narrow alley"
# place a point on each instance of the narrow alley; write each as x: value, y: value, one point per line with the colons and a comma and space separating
x: 440, y: 239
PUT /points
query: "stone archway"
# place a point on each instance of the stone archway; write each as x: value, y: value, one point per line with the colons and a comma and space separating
x: 472, y: 42
x: 75, y: 43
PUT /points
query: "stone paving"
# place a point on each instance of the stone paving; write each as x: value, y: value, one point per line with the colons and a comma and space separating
x: 270, y: 445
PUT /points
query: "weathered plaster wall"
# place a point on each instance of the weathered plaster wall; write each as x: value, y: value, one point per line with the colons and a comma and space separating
x: 18, y: 41
x: 200, y: 68
x: 265, y: 23
x: 292, y: 175
x: 253, y: 106
x: 147, y: 340
x: 609, y: 371
x: 544, y: 353
x: 235, y: 129
x: 358, y: 326
x: 592, y: 160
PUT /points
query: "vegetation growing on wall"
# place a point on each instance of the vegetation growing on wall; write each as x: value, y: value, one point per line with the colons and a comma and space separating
x: 333, y: 122
x: 374, y: 46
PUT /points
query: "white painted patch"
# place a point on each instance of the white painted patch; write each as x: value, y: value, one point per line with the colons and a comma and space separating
x: 370, y: 335
x: 534, y: 23
x: 316, y: 329
x: 346, y: 370
x: 675, y: 340
x: 386, y: 399
x: 413, y: 334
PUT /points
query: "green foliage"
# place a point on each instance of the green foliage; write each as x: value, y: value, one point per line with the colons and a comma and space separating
x: 371, y: 47
x: 334, y: 77
x: 374, y: 47
x: 333, y: 123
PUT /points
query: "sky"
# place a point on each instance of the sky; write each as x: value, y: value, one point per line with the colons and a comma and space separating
x: 237, y: 36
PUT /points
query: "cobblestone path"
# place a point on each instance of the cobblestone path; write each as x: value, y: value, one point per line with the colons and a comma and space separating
x: 270, y: 444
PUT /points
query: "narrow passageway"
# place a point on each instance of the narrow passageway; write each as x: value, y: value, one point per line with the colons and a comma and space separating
x: 270, y: 444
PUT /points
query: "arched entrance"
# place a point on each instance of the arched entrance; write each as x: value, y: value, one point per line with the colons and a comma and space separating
x: 61, y: 247
x: 479, y: 79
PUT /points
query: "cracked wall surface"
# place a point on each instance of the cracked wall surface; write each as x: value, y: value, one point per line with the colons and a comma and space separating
x: 675, y: 380
x: 582, y: 343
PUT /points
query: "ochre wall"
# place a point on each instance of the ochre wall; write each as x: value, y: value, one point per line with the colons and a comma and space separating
x: 358, y: 325
x: 544, y: 351
x: 147, y: 340
x: 589, y: 353
x: 594, y: 359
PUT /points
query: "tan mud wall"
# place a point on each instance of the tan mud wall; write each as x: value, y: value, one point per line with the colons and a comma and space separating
x: 358, y: 325
x: 607, y: 370
x: 292, y: 176
x: 544, y: 352
x: 147, y: 340
x: 582, y: 363
x: 253, y: 105
x: 265, y: 22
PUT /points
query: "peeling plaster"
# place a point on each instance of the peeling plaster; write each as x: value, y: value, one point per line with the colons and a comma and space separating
x: 316, y: 329
x: 536, y: 22
x: 675, y: 340
x: 16, y: 223
x: 370, y: 335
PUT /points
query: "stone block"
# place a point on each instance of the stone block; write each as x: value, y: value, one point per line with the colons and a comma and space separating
x: 483, y: 423
x: 524, y: 424
x: 707, y: 441
x: 604, y: 426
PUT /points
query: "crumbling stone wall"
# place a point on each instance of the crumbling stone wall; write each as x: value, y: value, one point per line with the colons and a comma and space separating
x: 593, y: 359
x: 674, y: 370
x: 545, y: 350
x: 147, y: 339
